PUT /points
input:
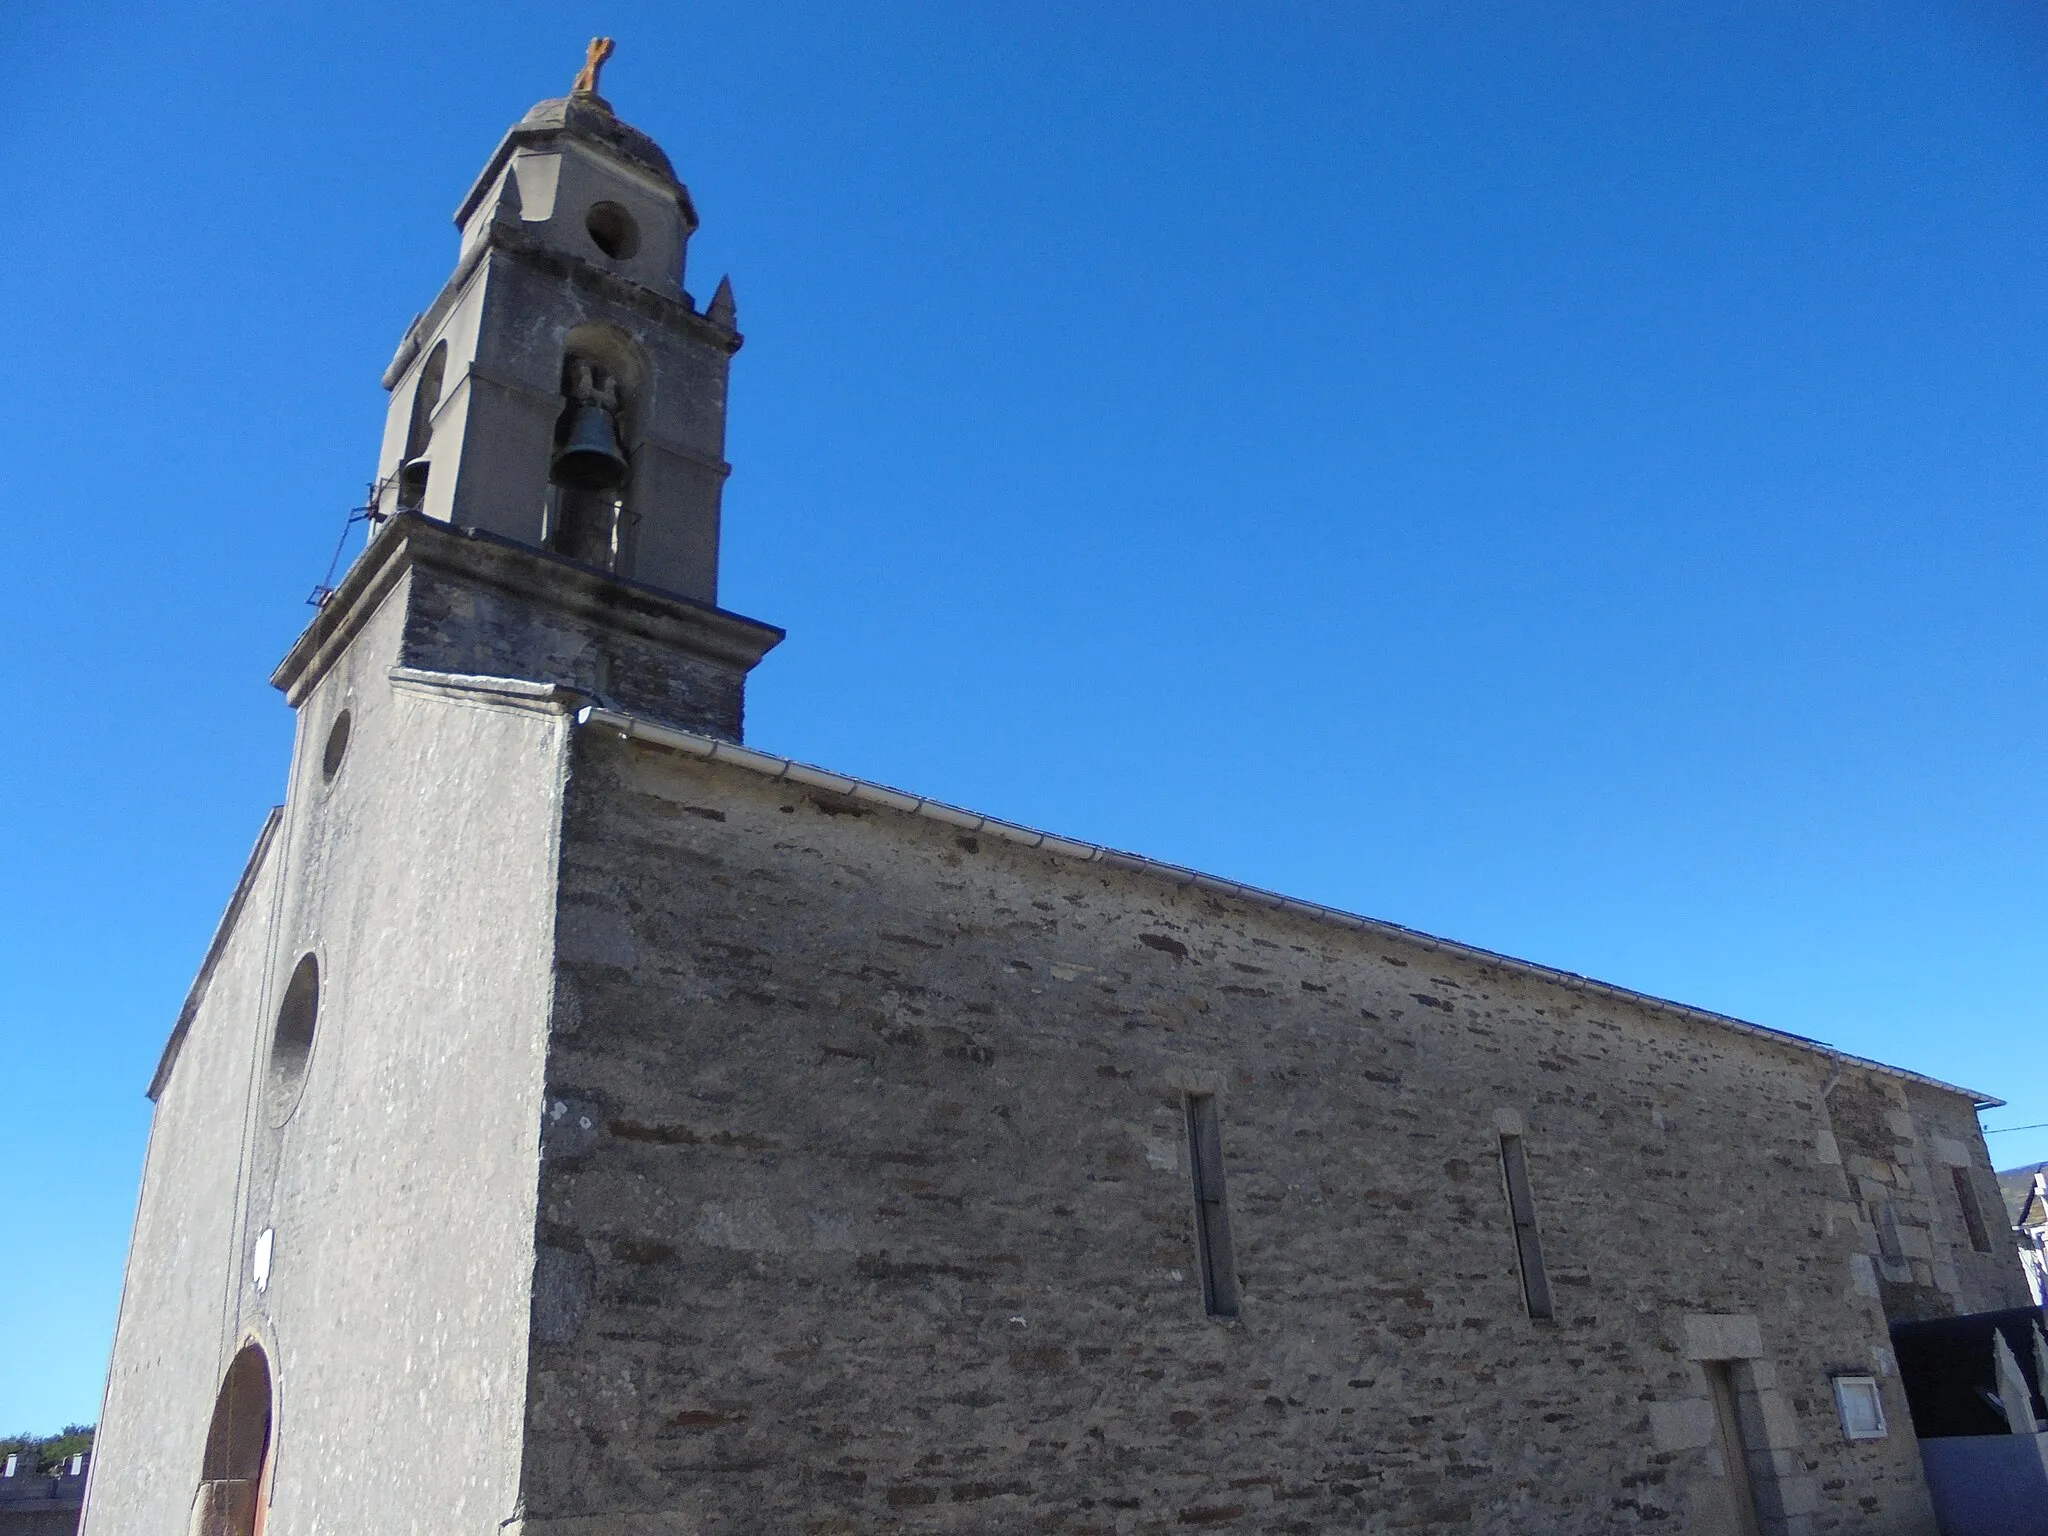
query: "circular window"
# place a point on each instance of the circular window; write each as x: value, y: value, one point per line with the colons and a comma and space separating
x: 613, y: 229
x: 336, y: 749
x: 291, y: 1047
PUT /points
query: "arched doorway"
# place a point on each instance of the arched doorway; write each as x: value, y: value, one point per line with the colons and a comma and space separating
x: 237, y: 1465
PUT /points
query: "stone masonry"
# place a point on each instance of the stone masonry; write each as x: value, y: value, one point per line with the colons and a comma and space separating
x: 865, y: 1204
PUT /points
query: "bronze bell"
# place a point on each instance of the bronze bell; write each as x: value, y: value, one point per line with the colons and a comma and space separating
x: 589, y: 458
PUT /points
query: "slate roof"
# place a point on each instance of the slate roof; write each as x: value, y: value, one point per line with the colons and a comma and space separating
x: 2017, y: 1185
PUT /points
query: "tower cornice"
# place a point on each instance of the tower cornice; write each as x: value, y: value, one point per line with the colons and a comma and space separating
x: 510, y: 240
x: 536, y: 578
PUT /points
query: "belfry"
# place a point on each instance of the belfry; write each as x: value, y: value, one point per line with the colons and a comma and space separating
x: 565, y: 394
x: 585, y: 1124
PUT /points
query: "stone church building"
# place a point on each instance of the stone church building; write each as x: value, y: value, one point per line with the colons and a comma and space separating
x: 585, y: 1125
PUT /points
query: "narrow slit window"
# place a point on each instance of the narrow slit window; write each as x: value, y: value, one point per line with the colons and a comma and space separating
x: 1514, y: 1164
x: 1973, y: 1214
x: 1739, y: 1486
x: 1885, y: 1217
x: 1214, y: 1256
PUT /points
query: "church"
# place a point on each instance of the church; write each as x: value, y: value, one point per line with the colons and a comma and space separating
x: 586, y: 1124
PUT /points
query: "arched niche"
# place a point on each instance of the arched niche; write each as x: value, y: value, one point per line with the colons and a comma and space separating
x: 621, y: 357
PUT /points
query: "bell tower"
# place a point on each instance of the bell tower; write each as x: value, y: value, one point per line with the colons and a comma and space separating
x: 555, y: 441
x: 564, y: 390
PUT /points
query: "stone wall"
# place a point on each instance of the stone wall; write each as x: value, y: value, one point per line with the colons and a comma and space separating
x: 174, y: 1335
x: 1912, y: 1157
x: 367, y: 1221
x: 865, y: 1206
x: 400, y: 1187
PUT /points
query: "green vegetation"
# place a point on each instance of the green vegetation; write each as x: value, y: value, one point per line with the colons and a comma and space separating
x: 48, y: 1450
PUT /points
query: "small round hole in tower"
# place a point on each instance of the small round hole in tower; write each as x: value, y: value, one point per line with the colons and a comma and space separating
x: 613, y: 230
x: 336, y: 749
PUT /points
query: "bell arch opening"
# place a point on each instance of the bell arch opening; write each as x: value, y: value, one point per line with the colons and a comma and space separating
x: 619, y: 353
x: 426, y: 399
x: 237, y: 1461
x: 603, y: 372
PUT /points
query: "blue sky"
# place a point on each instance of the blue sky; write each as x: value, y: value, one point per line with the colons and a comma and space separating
x: 1567, y: 477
